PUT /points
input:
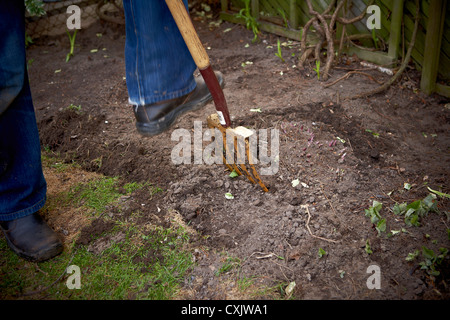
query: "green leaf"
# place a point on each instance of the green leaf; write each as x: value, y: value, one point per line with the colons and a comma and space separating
x: 229, y: 195
x: 377, y: 205
x: 374, y: 212
x: 321, y: 252
x: 399, y: 209
x: 430, y: 202
x: 413, y: 220
x: 444, y: 252
x: 234, y: 174
x: 433, y: 271
x: 381, y: 226
x: 412, y: 256
x: 428, y: 253
x: 414, y: 205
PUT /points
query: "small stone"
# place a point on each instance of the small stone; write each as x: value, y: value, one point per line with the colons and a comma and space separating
x: 374, y: 154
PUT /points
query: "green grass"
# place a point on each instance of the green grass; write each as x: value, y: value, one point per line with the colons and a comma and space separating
x: 96, y: 194
x: 144, y: 262
x: 52, y: 160
x: 117, y: 273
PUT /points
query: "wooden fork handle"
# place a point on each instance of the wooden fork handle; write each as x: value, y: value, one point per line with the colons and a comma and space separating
x: 201, y: 58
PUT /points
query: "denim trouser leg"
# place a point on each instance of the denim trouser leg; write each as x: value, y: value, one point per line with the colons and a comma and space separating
x: 22, y: 183
x: 158, y: 63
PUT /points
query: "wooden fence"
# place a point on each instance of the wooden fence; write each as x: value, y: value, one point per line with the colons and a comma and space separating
x: 431, y: 52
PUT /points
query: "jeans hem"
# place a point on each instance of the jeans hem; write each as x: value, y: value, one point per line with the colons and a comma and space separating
x: 24, y: 212
x: 167, y: 96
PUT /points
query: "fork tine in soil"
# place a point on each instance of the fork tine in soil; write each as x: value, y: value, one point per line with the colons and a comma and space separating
x: 241, y: 157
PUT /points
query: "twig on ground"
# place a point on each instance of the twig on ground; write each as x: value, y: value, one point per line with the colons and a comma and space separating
x: 312, y: 235
x: 30, y: 293
x: 348, y: 74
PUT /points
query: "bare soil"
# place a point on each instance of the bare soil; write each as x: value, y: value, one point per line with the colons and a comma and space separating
x: 275, y: 234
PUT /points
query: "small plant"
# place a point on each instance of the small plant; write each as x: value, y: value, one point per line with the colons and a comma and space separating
x: 432, y: 260
x: 278, y: 53
x: 317, y: 69
x: 246, y: 63
x: 228, y: 265
x: 375, y: 38
x: 72, y: 44
x: 321, y: 253
x: 375, y: 134
x: 368, y: 249
x: 416, y: 210
x: 283, y: 16
x: 412, y: 255
x: 374, y: 214
x: 28, y: 40
x: 35, y: 7
x: 250, y: 21
x: 75, y: 108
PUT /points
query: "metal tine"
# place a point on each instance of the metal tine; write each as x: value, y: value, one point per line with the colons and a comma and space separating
x: 239, y: 159
x: 232, y: 166
x: 252, y: 166
x: 224, y: 150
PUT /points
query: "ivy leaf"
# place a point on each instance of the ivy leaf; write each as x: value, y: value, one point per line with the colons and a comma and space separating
x: 428, y: 253
x: 381, y: 226
x: 412, y: 255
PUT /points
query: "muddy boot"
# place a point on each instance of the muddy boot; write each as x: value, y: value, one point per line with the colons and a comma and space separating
x: 152, y: 119
x: 31, y: 238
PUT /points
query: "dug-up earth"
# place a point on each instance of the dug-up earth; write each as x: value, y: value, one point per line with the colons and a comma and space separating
x: 336, y: 157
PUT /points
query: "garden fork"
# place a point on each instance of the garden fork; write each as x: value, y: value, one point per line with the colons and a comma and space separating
x: 236, y: 139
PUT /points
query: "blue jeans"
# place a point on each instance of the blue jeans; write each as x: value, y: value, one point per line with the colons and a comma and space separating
x: 158, y: 67
x: 22, y: 184
x: 158, y: 63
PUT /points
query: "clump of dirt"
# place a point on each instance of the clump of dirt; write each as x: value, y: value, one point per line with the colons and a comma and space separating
x: 97, y: 228
x: 344, y: 154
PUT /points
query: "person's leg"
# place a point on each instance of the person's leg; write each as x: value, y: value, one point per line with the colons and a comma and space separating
x: 158, y: 63
x: 159, y: 67
x: 22, y: 184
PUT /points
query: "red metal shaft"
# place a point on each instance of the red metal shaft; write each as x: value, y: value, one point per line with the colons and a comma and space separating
x: 217, y: 93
